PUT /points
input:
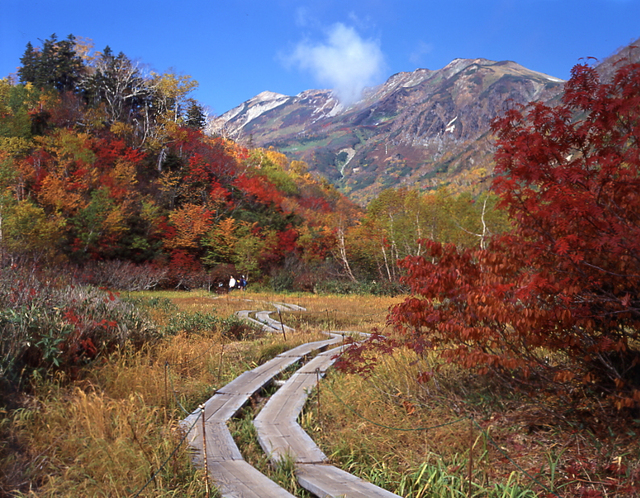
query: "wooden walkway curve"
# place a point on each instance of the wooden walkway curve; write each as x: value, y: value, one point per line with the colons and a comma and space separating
x: 278, y: 431
x: 280, y: 436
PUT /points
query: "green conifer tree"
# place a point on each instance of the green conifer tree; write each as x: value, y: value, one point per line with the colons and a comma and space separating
x: 195, y: 115
x: 56, y: 66
x: 28, y: 71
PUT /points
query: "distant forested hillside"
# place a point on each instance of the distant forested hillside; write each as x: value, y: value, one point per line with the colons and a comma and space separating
x: 104, y: 167
x: 102, y: 161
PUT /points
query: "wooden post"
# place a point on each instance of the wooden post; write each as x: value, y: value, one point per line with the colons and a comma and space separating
x: 470, y: 455
x: 166, y: 390
x: 318, y: 391
x: 282, y: 325
x: 220, y: 364
x: 204, y: 451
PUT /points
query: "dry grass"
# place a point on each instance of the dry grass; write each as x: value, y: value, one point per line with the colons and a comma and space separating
x: 104, y: 435
x: 107, y: 432
x: 389, y: 427
x: 344, y: 313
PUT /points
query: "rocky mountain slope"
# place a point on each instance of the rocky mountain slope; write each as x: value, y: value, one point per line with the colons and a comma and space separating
x: 423, y: 128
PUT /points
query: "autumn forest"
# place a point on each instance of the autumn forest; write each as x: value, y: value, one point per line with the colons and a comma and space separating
x: 108, y: 180
x: 104, y: 164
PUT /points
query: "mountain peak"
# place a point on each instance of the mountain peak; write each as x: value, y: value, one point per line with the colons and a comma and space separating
x: 267, y: 96
x: 422, y: 127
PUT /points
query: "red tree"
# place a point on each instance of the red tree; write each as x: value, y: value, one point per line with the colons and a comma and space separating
x: 558, y: 295
x: 259, y: 189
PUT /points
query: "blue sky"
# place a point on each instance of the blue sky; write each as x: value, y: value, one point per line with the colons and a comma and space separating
x: 237, y: 49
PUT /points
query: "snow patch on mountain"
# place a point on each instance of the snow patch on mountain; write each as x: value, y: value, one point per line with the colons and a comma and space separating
x: 398, y: 80
x: 323, y: 103
x: 267, y: 96
x: 252, y: 109
x: 262, y: 106
x: 451, y: 126
x: 350, y: 154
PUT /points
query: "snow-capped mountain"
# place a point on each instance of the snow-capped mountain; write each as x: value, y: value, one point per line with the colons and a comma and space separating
x: 423, y: 128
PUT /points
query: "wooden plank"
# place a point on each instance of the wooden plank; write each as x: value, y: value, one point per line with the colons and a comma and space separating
x: 252, y: 381
x: 309, y: 347
x: 238, y: 479
x: 288, y: 307
x: 244, y: 314
x: 288, y: 440
x: 221, y: 407
x: 278, y: 433
x: 280, y: 436
x: 220, y: 444
x: 247, y: 383
x: 321, y: 362
x: 265, y: 318
x: 230, y: 473
x: 329, y: 481
x: 289, y: 400
x: 230, y: 398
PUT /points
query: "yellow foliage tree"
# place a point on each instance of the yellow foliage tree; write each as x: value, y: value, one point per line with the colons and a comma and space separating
x: 191, y: 223
x: 221, y: 242
x: 173, y: 91
x: 54, y: 193
x: 25, y: 229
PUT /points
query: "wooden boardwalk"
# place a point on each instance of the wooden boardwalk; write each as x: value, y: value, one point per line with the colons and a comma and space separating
x: 281, y: 437
x: 264, y: 320
x: 225, y: 465
x: 279, y: 434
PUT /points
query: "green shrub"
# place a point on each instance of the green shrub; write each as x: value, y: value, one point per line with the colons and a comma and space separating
x: 50, y: 325
x: 382, y: 288
x: 237, y: 329
x: 282, y: 281
x: 191, y: 323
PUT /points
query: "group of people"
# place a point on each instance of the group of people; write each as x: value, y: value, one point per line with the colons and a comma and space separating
x: 240, y: 283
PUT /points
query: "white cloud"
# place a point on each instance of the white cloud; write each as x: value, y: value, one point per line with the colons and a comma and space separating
x: 346, y: 62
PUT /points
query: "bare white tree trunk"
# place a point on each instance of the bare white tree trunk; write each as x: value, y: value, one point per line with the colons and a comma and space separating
x: 386, y: 262
x: 342, y: 248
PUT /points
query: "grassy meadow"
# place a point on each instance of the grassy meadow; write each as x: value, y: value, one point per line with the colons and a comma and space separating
x: 111, y: 429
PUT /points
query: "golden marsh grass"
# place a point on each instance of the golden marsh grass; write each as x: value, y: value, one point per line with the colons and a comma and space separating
x: 106, y: 433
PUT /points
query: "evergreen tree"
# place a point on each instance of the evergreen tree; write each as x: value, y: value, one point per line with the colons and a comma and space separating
x: 28, y: 71
x: 68, y: 66
x: 196, y: 117
x: 57, y: 66
x: 46, y: 67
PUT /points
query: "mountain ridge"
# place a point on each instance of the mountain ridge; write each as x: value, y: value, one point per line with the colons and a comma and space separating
x: 423, y: 128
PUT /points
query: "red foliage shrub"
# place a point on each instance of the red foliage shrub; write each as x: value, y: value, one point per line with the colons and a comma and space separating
x: 559, y: 296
